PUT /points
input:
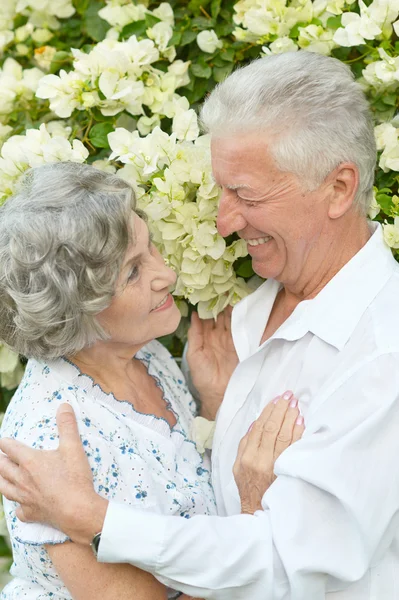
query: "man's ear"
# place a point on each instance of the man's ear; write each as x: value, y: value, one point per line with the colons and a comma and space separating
x: 343, y: 182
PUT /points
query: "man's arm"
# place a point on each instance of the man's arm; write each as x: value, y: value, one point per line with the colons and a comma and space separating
x: 322, y: 525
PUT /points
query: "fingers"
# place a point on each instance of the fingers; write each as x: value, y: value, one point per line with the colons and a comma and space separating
x: 299, y: 428
x: 255, y: 433
x: 16, y: 451
x: 67, y: 427
x: 8, y: 469
x: 227, y: 317
x: 195, y: 335
x: 285, y: 435
x: 8, y: 490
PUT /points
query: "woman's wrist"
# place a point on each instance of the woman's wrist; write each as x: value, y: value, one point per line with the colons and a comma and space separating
x: 209, y: 405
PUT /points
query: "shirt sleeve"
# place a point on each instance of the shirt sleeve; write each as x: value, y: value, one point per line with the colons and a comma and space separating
x: 330, y: 514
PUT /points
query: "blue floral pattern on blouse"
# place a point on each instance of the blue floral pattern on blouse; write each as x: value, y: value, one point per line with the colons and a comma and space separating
x: 135, y: 458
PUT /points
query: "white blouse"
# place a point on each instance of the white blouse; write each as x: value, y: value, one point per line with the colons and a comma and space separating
x: 136, y: 459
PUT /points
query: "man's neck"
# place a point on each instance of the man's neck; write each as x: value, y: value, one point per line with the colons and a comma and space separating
x: 326, y: 261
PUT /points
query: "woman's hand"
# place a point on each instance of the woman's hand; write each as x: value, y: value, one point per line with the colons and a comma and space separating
x: 279, y: 426
x: 54, y: 486
x: 212, y: 359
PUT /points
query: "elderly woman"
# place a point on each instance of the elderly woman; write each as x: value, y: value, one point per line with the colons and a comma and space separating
x: 83, y: 294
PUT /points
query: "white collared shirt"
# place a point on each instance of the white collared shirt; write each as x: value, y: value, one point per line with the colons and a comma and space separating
x: 329, y: 528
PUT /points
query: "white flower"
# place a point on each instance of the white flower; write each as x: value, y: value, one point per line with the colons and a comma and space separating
x: 42, y: 36
x: 208, y: 41
x: 62, y: 90
x: 315, y: 39
x: 389, y: 159
x: 385, y: 135
x: 22, y: 33
x: 283, y: 44
x: 391, y: 233
x: 35, y: 148
x: 119, y: 16
x: 383, y: 73
x: 374, y: 208
x: 44, y: 56
x: 165, y: 13
x: 202, y: 432
x: 160, y: 33
x: 185, y: 125
x: 58, y: 128
x: 6, y: 37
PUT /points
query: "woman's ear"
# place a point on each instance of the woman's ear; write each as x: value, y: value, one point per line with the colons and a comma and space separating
x: 344, y: 183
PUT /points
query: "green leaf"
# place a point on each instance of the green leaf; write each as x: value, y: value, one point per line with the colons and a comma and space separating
x: 215, y: 8
x: 196, y: 5
x: 203, y: 23
x: 175, y: 39
x: 228, y: 54
x: 188, y: 37
x: 218, y: 61
x: 390, y: 99
x: 196, y: 89
x: 200, y: 69
x: 294, y: 33
x: 99, y: 134
x: 151, y: 20
x: 245, y: 269
x: 334, y: 22
x: 385, y: 202
x: 95, y: 26
x: 60, y: 60
x: 138, y: 28
x: 224, y: 29
x: 220, y: 73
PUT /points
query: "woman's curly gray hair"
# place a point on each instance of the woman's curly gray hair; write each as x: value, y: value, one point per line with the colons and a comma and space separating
x: 63, y: 238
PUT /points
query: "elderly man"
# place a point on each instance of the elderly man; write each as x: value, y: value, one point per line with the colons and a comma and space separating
x: 294, y: 155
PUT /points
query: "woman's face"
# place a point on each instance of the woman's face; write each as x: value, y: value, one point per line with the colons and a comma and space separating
x: 142, y: 308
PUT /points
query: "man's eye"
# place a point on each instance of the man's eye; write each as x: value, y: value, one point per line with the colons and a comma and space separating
x: 133, y: 273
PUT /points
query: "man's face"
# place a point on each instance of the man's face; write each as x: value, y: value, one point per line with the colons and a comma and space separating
x: 281, y: 221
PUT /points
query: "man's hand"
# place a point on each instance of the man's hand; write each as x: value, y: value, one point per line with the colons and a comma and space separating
x: 54, y: 486
x: 212, y: 359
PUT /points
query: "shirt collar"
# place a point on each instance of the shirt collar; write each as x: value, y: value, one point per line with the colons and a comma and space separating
x: 333, y: 314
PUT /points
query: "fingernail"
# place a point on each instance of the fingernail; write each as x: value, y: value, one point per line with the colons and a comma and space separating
x: 276, y: 399
x: 294, y: 402
x: 299, y: 420
x: 287, y: 395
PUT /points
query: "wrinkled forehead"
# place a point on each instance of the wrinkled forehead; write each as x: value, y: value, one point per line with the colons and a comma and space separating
x: 243, y: 157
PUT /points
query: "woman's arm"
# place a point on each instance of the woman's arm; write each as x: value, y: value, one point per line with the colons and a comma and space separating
x: 87, y: 579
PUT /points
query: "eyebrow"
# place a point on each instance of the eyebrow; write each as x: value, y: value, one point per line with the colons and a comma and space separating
x: 137, y: 257
x: 232, y: 186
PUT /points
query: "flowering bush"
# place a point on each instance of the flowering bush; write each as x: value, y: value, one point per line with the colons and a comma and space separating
x: 117, y: 83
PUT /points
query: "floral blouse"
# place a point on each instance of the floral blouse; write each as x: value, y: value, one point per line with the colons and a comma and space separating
x: 135, y: 458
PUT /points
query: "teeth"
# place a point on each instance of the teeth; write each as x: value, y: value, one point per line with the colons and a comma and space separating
x: 258, y: 241
x: 162, y: 302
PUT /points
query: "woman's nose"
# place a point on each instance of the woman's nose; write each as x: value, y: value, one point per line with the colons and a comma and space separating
x: 165, y: 277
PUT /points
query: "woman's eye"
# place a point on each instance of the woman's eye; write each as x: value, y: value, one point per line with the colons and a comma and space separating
x: 133, y: 273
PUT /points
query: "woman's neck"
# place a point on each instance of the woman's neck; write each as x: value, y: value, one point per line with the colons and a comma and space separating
x: 106, y: 361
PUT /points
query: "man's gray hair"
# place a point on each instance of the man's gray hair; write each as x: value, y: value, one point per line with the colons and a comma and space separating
x: 313, y: 107
x: 63, y: 238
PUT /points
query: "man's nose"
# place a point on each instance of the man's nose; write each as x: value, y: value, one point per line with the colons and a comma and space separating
x: 229, y: 219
